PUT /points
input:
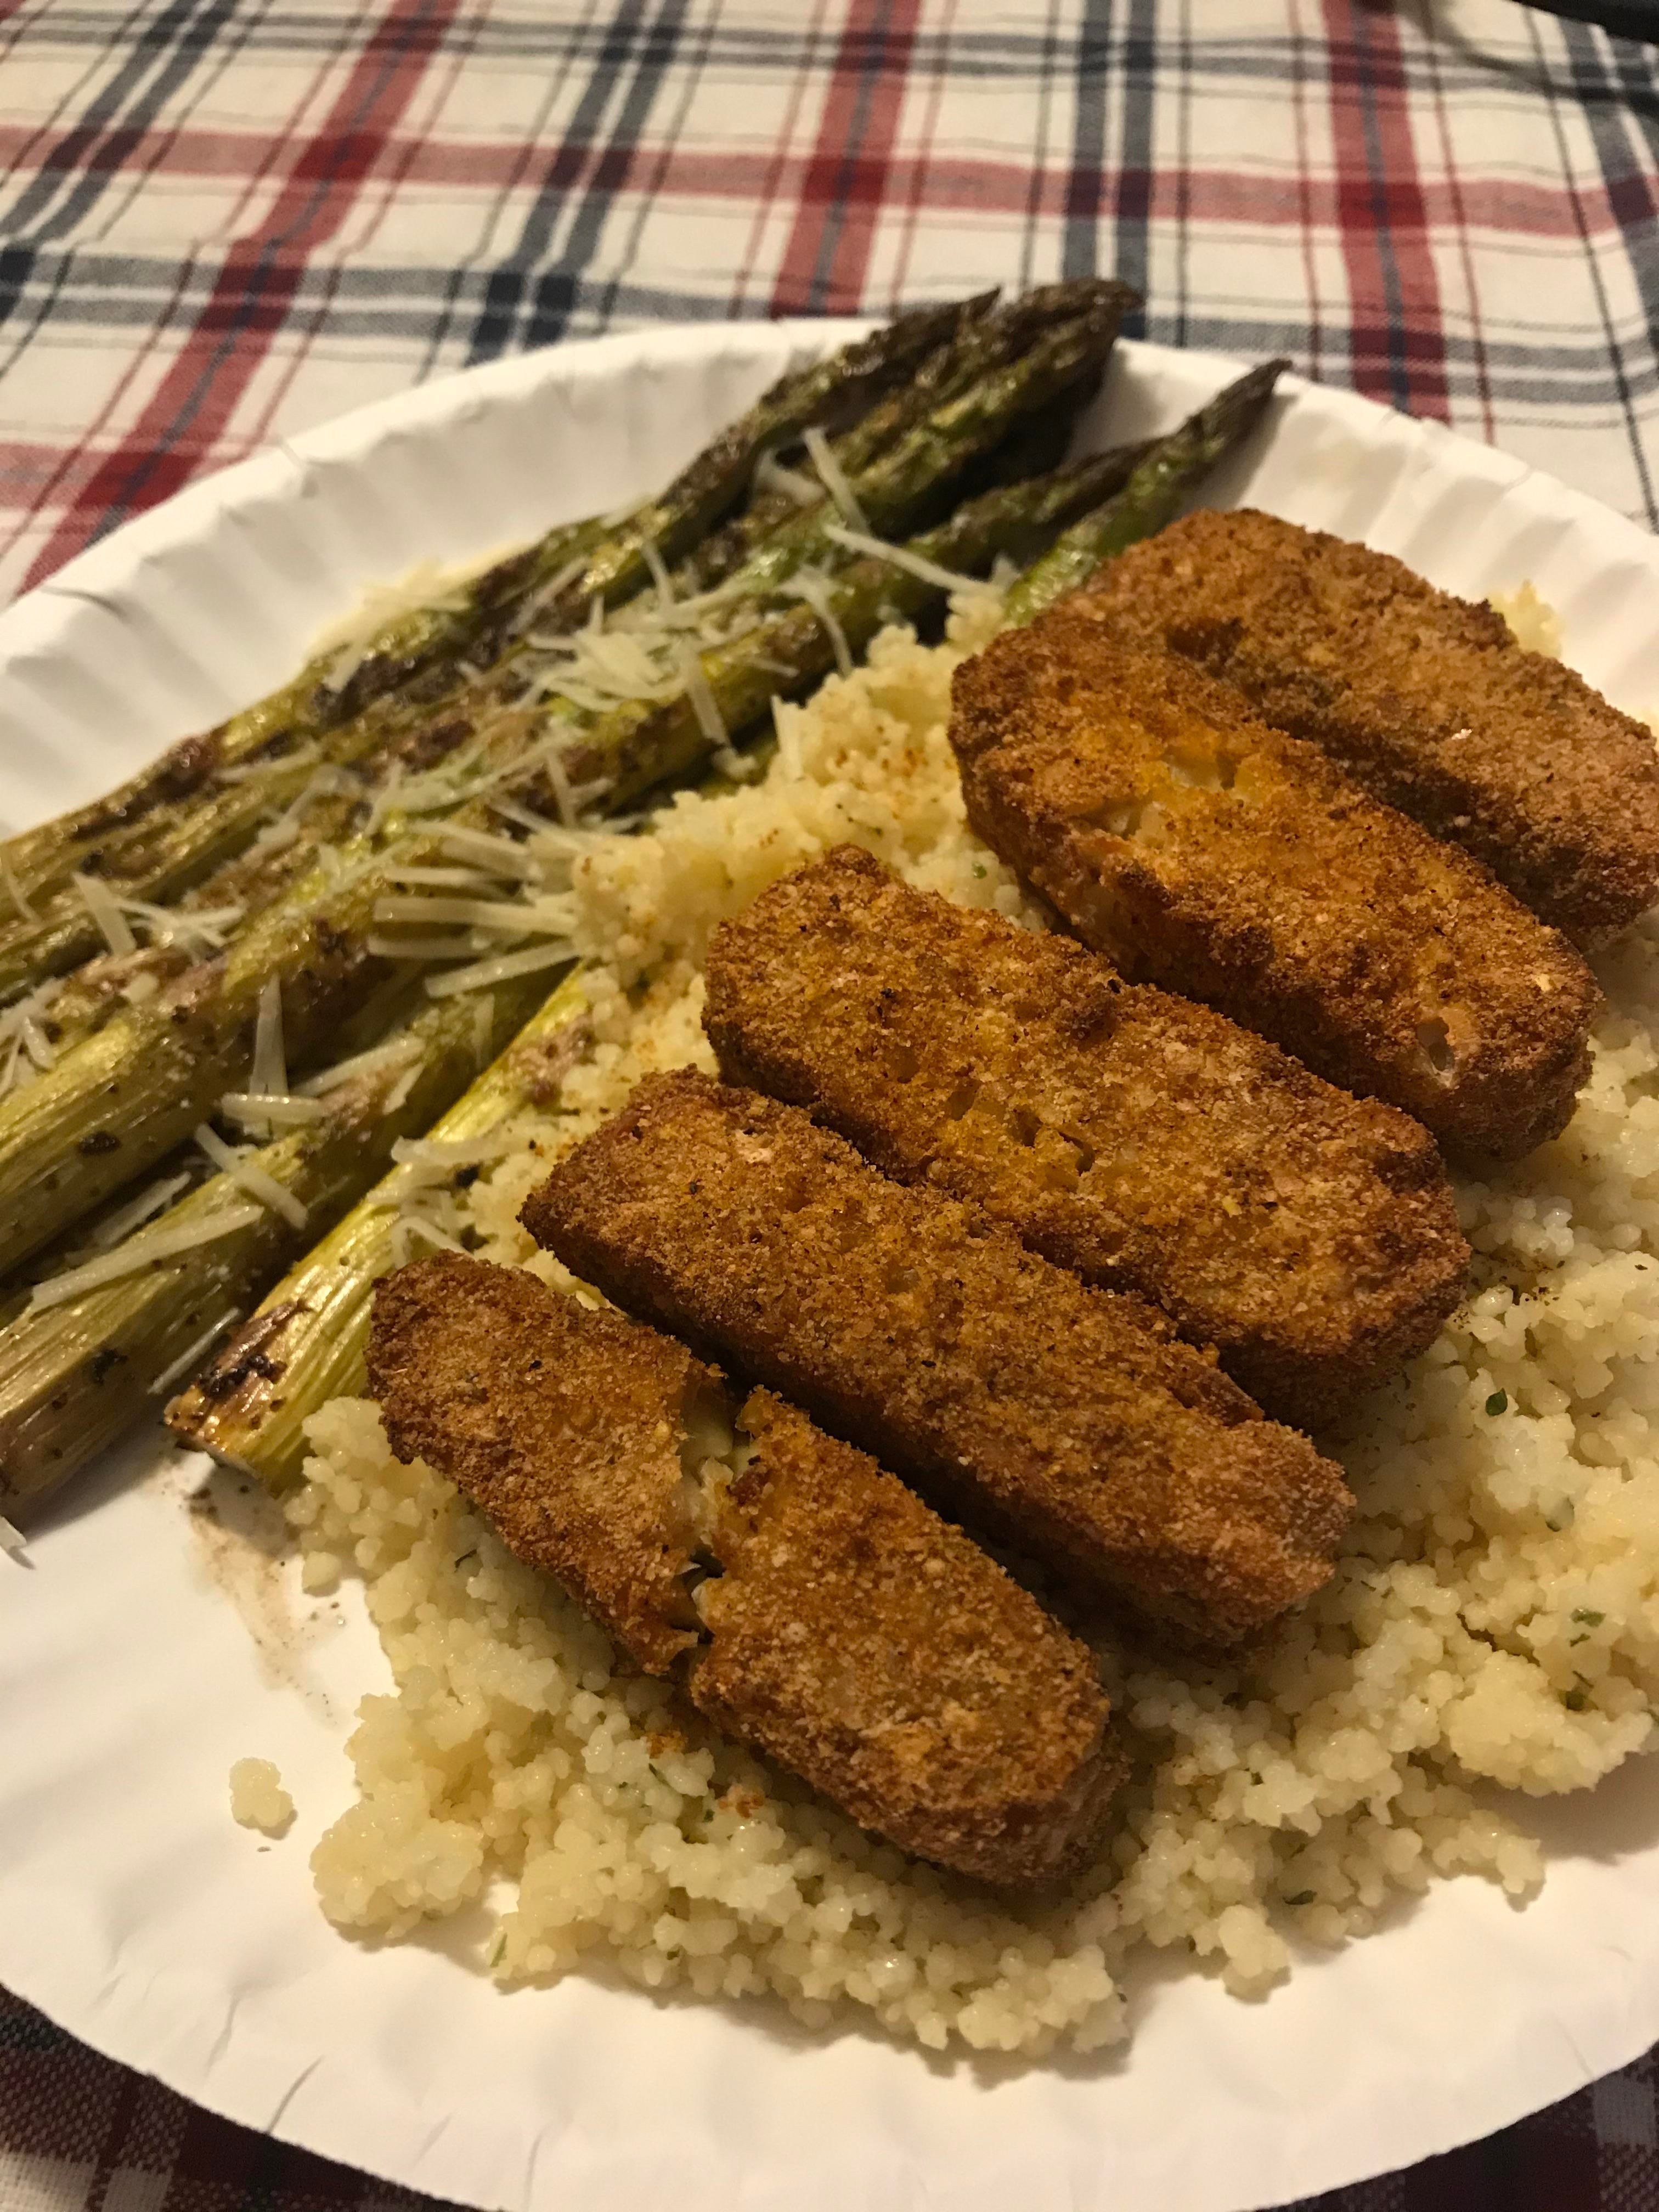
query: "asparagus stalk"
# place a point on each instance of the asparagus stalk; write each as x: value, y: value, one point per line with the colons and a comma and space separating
x: 989, y: 338
x: 166, y: 848
x: 409, y: 655
x: 305, y: 1344
x: 1020, y: 377
x: 1172, y: 468
x: 74, y: 1375
x: 828, y: 393
x: 40, y: 860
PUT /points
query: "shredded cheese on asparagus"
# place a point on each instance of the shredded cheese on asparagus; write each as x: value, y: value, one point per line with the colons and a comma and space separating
x: 178, y: 1369
x: 137, y: 1211
x: 812, y: 585
x: 140, y: 1252
x: 26, y: 1051
x: 770, y: 474
x: 250, y: 1176
x: 362, y: 1063
x: 105, y: 909
x: 835, y: 477
x: 899, y: 557
x: 481, y: 975
x: 271, y: 1108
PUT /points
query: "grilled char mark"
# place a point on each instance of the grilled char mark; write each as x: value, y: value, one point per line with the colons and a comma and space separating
x: 1139, y: 1140
x: 1427, y: 699
x: 1211, y: 854
x: 844, y: 1630
x: 1019, y: 1400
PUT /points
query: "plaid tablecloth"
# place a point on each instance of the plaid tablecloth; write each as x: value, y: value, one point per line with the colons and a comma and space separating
x: 225, y: 220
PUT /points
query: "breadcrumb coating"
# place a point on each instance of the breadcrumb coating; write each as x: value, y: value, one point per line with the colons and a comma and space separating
x: 1427, y: 699
x: 878, y: 1653
x: 1141, y: 1139
x: 845, y: 1630
x: 1211, y: 854
x: 562, y: 1426
x: 1070, y: 1420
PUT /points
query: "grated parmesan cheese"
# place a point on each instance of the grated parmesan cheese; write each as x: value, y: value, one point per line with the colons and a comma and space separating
x: 812, y: 585
x: 486, y: 972
x: 137, y: 1211
x: 899, y: 557
x: 516, y: 916
x: 274, y: 1109
x: 770, y: 474
x: 500, y: 854
x: 270, y: 1075
x: 26, y: 1051
x: 178, y: 1368
x: 362, y: 1063
x: 700, y: 693
x: 444, y: 1155
x: 655, y: 564
x: 140, y: 1252
x: 833, y: 477
x: 105, y: 909
x: 251, y: 1177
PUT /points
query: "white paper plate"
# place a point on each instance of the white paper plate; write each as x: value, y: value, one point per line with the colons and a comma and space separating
x: 139, y: 1659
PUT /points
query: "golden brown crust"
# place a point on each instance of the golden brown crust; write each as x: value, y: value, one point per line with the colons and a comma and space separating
x: 562, y: 1426
x: 1143, y: 1141
x: 875, y: 1650
x: 1015, y: 1397
x: 1428, y: 700
x: 850, y: 1633
x: 1207, y: 852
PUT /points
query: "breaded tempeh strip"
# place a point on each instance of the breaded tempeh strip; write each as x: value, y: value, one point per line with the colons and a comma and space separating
x: 1140, y: 1138
x: 847, y: 1630
x: 883, y: 1656
x: 1427, y: 699
x: 1069, y: 1420
x: 1209, y: 854
x: 562, y: 1426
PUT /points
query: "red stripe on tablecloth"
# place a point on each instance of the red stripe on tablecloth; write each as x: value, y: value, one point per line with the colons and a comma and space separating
x: 391, y: 175
x: 947, y: 183
x: 258, y: 279
x: 913, y: 191
x: 768, y: 187
x: 844, y: 185
x: 1403, y: 364
x: 1459, y: 225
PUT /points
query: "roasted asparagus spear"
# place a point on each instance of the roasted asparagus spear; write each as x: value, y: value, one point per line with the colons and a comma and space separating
x: 1171, y: 468
x: 417, y: 654
x: 79, y: 1365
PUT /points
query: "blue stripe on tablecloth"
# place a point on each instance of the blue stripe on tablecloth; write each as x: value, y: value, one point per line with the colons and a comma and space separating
x: 1089, y: 68
x: 1581, y: 47
x: 1137, y: 77
x: 628, y: 51
x: 80, y: 166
